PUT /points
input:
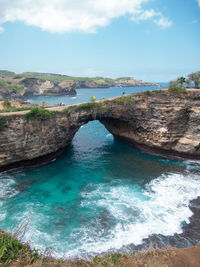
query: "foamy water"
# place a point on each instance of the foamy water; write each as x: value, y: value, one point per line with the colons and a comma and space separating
x: 109, y: 215
x: 101, y: 195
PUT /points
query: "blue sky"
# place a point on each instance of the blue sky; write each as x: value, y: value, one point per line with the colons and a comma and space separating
x: 152, y: 40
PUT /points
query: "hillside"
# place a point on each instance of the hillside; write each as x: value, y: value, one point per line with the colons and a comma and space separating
x: 30, y: 84
x: 88, y: 82
x: 80, y: 82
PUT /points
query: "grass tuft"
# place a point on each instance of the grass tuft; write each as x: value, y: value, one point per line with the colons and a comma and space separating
x: 11, y: 250
x: 40, y: 113
x: 129, y: 99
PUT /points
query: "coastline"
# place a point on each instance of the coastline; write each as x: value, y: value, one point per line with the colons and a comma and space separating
x: 156, y: 241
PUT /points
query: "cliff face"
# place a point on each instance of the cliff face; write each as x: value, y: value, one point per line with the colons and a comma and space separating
x: 161, y: 123
x: 34, y: 87
x: 6, y: 93
x: 106, y: 83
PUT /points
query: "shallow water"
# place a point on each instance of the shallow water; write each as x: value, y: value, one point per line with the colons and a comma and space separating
x: 99, y: 196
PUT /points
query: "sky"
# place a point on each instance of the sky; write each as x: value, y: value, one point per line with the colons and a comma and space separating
x: 151, y: 40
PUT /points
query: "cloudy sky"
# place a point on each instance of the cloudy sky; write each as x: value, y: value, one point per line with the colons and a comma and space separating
x: 154, y: 40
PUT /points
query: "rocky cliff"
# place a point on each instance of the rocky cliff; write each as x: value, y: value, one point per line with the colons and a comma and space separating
x: 23, y: 88
x: 159, y: 123
x: 106, y: 83
x: 79, y: 82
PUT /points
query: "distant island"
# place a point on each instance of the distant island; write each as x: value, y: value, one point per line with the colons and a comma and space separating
x: 29, y: 84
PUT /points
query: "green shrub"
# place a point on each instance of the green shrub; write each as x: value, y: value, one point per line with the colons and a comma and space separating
x: 39, y: 112
x: 148, y: 93
x: 11, y: 250
x: 176, y: 89
x: 86, y: 105
x: 2, y: 122
x: 129, y: 99
x: 6, y: 104
x: 3, y: 83
x: 14, y: 109
x: 102, y: 83
x: 17, y: 88
x: 12, y: 86
x: 17, y: 76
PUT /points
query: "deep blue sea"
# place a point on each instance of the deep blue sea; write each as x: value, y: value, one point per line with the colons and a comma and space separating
x: 100, y: 195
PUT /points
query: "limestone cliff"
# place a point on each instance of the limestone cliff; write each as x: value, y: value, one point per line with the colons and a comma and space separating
x: 37, y: 83
x: 106, y: 83
x: 160, y: 123
x: 23, y: 88
x: 37, y: 87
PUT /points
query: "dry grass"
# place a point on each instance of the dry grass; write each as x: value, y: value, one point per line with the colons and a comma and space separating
x: 15, y: 254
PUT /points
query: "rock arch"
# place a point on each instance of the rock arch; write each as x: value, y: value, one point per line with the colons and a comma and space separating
x: 159, y: 123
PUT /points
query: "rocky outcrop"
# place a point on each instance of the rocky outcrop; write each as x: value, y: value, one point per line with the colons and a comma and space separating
x: 37, y: 87
x: 160, y: 123
x: 56, y: 84
x: 6, y: 93
x: 106, y: 83
x: 131, y: 82
x: 91, y: 84
x: 34, y: 87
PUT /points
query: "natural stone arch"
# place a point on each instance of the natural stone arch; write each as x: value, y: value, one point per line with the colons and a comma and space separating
x: 161, y: 123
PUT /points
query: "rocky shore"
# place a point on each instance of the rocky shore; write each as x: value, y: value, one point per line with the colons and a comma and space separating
x: 23, y: 88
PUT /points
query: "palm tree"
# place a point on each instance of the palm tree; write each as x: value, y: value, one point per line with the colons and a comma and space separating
x: 181, y: 80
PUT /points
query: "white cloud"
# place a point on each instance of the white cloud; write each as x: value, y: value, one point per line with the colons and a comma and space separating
x: 198, y: 2
x: 74, y: 15
x: 164, y: 22
x: 157, y: 17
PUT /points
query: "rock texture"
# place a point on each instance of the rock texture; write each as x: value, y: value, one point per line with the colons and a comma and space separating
x: 161, y: 123
x: 9, y: 94
x: 35, y: 87
x: 107, y: 83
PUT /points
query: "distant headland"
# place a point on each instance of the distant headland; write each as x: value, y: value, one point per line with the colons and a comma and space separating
x: 29, y: 84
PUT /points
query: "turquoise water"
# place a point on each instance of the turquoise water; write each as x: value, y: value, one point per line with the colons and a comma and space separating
x: 98, y: 196
x: 83, y: 95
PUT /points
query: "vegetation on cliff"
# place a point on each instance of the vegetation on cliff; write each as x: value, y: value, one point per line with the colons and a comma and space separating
x: 16, y: 87
x: 45, y: 114
x: 6, y: 73
x: 180, y: 84
x: 14, y: 253
x: 175, y: 88
x: 14, y: 106
x: 79, y: 81
x: 39, y: 112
